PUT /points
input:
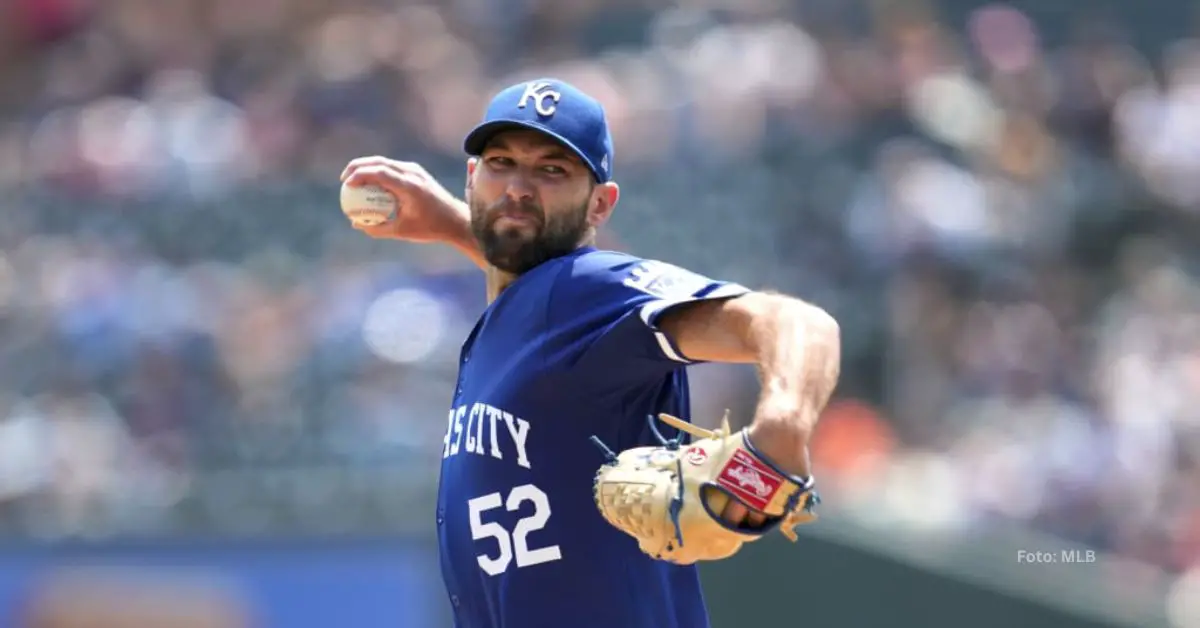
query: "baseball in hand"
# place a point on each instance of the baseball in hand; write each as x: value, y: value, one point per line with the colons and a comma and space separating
x: 367, y: 205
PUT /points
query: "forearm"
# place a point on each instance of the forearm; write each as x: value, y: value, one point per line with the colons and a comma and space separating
x: 464, y: 241
x: 797, y: 349
x: 469, y: 247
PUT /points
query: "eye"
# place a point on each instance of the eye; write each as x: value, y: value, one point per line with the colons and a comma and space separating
x: 499, y: 162
x: 554, y: 170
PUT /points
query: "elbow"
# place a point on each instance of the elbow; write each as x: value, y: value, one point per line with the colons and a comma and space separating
x: 816, y: 324
x: 822, y: 336
x: 823, y: 331
x: 821, y: 324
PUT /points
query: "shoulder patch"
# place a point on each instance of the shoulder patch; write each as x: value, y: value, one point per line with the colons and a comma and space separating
x: 663, y: 280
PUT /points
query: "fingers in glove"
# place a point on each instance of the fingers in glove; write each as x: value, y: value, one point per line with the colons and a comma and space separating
x: 733, y: 512
x: 738, y: 515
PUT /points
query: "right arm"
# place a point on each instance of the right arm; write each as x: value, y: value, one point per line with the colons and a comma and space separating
x: 426, y: 211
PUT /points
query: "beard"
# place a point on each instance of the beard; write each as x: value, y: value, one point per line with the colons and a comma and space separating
x: 512, y: 248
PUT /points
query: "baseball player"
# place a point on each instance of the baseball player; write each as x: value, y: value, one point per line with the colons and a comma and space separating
x: 581, y: 354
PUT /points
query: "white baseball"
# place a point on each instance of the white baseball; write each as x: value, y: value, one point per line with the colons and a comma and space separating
x: 367, y: 205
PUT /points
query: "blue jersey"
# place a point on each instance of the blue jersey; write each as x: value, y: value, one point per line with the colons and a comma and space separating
x: 568, y: 350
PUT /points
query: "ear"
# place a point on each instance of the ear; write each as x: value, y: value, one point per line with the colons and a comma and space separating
x: 472, y: 164
x: 604, y: 200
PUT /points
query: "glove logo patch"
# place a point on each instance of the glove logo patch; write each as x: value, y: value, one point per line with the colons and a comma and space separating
x: 750, y: 480
x: 695, y: 456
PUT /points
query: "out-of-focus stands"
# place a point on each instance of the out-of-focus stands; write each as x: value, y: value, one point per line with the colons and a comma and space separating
x: 1002, y: 217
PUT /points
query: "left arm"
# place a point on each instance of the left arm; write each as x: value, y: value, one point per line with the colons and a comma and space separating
x: 796, y: 348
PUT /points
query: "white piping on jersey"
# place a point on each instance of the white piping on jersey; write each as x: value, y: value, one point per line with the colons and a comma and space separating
x: 667, y: 349
x: 727, y: 290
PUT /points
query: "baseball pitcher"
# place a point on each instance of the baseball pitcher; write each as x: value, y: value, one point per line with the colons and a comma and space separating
x: 574, y: 492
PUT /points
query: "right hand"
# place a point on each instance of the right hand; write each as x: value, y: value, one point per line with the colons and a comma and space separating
x: 425, y: 212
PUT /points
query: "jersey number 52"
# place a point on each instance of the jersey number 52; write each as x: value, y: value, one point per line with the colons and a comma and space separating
x: 512, y: 545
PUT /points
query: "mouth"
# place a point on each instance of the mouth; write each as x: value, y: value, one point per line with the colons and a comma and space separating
x: 511, y: 219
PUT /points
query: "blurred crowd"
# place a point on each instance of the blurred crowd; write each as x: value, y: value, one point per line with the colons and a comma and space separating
x: 1001, y: 213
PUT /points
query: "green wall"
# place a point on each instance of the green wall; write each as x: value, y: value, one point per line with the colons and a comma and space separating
x: 830, y: 585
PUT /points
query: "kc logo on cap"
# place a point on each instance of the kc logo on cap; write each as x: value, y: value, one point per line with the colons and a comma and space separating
x: 545, y: 100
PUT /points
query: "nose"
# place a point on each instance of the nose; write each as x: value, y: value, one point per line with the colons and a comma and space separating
x: 519, y: 188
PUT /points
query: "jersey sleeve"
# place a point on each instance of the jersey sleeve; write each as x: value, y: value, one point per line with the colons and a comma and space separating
x: 611, y: 307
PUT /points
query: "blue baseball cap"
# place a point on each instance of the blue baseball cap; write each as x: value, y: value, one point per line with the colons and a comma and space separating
x: 557, y: 109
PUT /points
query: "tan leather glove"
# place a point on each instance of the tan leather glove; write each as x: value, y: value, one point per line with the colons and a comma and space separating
x: 670, y: 497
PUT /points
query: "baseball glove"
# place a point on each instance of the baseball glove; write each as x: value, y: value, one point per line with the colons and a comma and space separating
x: 670, y: 497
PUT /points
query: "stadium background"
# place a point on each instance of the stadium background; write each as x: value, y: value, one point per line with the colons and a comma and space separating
x: 214, y: 395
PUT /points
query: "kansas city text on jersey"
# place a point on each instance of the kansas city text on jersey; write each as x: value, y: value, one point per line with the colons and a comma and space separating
x: 476, y: 429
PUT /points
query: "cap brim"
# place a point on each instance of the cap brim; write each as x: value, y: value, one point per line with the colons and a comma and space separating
x: 479, y: 137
